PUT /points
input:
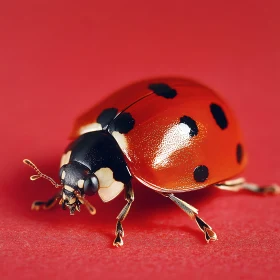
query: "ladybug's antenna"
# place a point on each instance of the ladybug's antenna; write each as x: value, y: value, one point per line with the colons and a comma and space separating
x: 39, y: 173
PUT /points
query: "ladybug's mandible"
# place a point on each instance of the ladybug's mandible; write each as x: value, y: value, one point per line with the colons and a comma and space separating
x: 171, y: 134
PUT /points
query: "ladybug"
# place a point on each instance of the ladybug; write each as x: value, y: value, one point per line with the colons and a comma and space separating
x: 171, y: 134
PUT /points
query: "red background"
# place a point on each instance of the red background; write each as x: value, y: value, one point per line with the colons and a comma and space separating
x: 60, y: 57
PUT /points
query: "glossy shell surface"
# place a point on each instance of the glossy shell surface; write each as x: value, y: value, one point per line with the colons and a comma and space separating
x: 177, y: 135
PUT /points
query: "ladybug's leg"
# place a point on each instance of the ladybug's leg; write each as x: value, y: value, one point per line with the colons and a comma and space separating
x: 240, y: 184
x: 210, y: 235
x: 129, y: 197
x: 36, y: 205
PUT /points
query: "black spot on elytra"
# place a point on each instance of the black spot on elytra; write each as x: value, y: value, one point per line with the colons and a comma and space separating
x: 123, y: 123
x: 191, y: 124
x: 219, y: 115
x: 239, y: 153
x: 106, y: 116
x: 163, y: 90
x: 201, y: 173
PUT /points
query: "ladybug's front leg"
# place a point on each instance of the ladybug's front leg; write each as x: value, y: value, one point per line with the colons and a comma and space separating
x: 37, y: 205
x: 129, y: 197
x: 210, y: 235
x: 240, y: 184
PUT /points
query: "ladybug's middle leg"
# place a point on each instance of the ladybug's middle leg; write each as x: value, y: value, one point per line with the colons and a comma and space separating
x: 210, y: 235
x: 241, y: 184
x: 129, y: 197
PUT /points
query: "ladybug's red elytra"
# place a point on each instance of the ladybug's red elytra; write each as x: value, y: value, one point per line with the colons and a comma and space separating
x: 171, y: 134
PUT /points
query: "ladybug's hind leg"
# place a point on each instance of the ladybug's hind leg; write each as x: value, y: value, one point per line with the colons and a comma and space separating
x: 210, y: 235
x: 240, y: 184
x: 37, y: 205
x: 129, y: 197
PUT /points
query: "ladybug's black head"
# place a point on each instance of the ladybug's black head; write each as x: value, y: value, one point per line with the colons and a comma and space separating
x: 77, y: 181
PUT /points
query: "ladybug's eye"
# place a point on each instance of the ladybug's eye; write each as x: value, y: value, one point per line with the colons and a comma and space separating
x: 91, y: 185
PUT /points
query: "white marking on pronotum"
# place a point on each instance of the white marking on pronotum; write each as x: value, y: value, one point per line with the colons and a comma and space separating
x: 121, y: 139
x: 107, y: 194
x: 105, y: 177
x: 89, y: 128
x: 65, y: 158
x: 176, y: 138
x: 109, y: 187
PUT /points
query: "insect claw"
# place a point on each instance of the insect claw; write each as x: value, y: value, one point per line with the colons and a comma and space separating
x: 118, y: 242
x: 34, y: 206
x: 210, y: 235
x: 274, y: 189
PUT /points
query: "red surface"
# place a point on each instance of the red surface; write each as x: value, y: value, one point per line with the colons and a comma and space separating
x: 58, y: 58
